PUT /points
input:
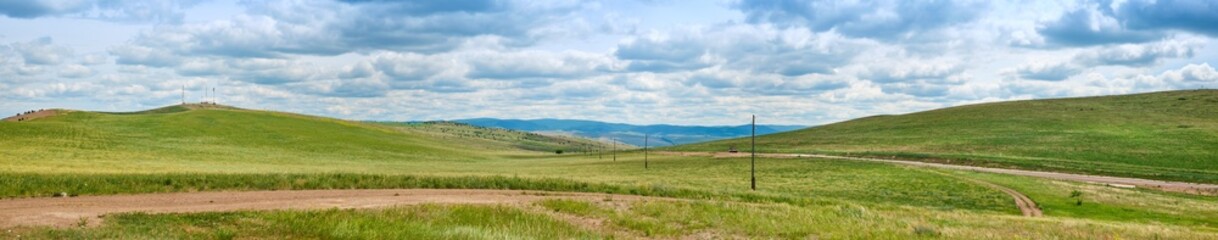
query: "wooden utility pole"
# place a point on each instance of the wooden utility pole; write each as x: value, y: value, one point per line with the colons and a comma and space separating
x: 645, y: 136
x: 753, y: 161
x: 614, y: 148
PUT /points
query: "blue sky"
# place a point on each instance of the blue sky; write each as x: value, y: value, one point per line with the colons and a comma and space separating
x: 647, y: 61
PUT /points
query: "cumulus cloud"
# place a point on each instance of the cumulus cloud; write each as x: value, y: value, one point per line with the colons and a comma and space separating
x: 1191, y: 74
x: 797, y: 61
x: 75, y: 71
x: 658, y: 53
x: 519, y: 65
x: 1091, y: 26
x: 1048, y: 71
x: 758, y: 49
x: 42, y: 51
x: 167, y: 11
x: 274, y: 29
x: 1140, y: 54
x: 406, y: 66
x: 144, y: 56
x: 887, y: 20
x: 1188, y: 15
x: 1135, y: 21
x: 912, y: 70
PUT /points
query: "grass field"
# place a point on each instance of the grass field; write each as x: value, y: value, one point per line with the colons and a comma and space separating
x: 1164, y: 135
x: 569, y: 219
x: 183, y: 150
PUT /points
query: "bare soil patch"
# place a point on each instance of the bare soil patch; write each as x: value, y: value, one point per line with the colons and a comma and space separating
x: 66, y: 212
x: 35, y: 115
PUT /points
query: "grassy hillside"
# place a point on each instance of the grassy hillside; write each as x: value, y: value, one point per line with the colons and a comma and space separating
x: 1165, y: 135
x: 510, y: 138
x: 660, y: 134
x: 189, y: 137
x: 185, y: 149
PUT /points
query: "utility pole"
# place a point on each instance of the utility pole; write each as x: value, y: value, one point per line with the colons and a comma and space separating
x: 614, y: 148
x: 183, y: 95
x: 645, y: 150
x: 753, y: 161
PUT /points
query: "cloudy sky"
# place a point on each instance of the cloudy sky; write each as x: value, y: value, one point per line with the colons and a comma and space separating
x: 647, y: 61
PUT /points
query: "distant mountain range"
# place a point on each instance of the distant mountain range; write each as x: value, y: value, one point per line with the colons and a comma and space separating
x: 661, y: 135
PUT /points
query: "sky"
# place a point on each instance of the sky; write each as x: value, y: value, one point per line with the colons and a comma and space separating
x: 715, y: 62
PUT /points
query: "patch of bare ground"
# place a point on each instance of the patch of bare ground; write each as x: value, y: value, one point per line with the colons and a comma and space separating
x: 43, y: 113
x: 66, y: 212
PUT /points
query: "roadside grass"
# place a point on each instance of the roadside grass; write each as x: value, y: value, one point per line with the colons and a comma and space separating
x: 1164, y: 135
x: 407, y: 222
x: 1092, y: 201
x: 607, y: 220
x: 807, y: 181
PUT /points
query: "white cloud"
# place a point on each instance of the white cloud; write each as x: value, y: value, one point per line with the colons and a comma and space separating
x: 75, y: 71
x: 42, y: 51
x: 801, y: 62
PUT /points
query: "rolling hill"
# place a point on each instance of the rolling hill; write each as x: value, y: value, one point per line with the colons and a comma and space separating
x: 517, y: 139
x: 1163, y: 135
x: 201, y: 148
x: 184, y: 136
x: 661, y: 134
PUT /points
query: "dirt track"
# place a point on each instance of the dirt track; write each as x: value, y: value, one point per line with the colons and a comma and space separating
x: 1023, y: 202
x: 1185, y: 187
x: 64, y: 212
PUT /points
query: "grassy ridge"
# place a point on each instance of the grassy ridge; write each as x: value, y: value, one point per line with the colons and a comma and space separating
x: 514, y: 139
x: 212, y: 135
x: 232, y: 140
x: 1164, y: 135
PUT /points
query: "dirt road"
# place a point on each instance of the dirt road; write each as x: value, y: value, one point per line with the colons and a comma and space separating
x: 64, y: 212
x: 1185, y: 187
x: 1025, y: 204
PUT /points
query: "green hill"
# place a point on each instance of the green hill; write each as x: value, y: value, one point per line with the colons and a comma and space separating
x: 510, y: 139
x: 1164, y: 135
x: 185, y: 137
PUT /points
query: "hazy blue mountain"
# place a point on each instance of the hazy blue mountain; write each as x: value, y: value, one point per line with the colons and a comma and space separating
x: 661, y: 135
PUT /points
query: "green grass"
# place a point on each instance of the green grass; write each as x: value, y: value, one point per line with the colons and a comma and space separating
x: 1112, y: 204
x: 195, y: 149
x: 516, y: 139
x: 798, y: 182
x: 413, y: 222
x: 574, y: 219
x: 1164, y: 135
